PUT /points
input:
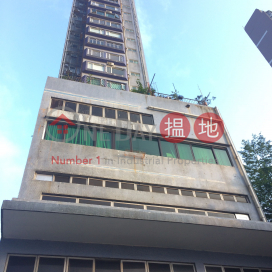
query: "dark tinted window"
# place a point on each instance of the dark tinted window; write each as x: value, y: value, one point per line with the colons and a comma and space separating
x: 21, y: 264
x: 187, y: 193
x: 224, y: 215
x: 241, y: 199
x: 56, y: 104
x: 143, y: 188
x: 255, y: 270
x: 162, y: 209
x: 213, y: 269
x: 70, y: 106
x: 129, y: 186
x: 231, y: 269
x: 112, y: 184
x: 201, y: 194
x: 123, y: 115
x: 147, y: 119
x: 59, y: 199
x: 135, y: 117
x: 157, y: 189
x: 110, y: 113
x: 97, y: 111
x: 156, y: 267
x: 183, y: 268
x: 107, y: 266
x: 62, y: 178
x: 133, y: 267
x: 95, y: 182
x: 79, y: 180
x: 172, y: 191
x: 125, y: 205
x: 85, y: 109
x: 215, y: 196
x: 80, y: 265
x: 191, y: 212
x: 51, y: 264
x: 228, y: 198
x: 95, y: 202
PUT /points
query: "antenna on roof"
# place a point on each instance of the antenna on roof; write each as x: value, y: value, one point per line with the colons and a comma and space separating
x: 174, y: 88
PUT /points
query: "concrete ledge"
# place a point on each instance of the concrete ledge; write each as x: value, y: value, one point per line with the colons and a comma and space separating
x: 119, y: 226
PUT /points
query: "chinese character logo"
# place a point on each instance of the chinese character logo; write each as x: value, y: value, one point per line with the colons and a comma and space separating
x: 209, y: 127
x: 175, y: 127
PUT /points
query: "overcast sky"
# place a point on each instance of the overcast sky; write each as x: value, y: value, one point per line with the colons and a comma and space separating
x: 186, y: 42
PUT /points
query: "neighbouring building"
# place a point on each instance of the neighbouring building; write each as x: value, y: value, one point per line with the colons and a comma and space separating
x: 103, y: 191
x: 259, y: 29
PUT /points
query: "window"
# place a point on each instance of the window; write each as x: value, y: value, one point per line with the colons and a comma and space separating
x: 127, y: 13
x: 106, y: 266
x: 128, y: 22
x: 156, y: 189
x: 122, y: 115
x: 96, y: 182
x: 203, y: 154
x: 242, y: 216
x: 79, y: 181
x: 143, y: 145
x: 108, y: 23
x: 168, y: 149
x: 134, y: 61
x: 241, y: 199
x: 183, y: 268
x: 223, y: 215
x: 131, y: 50
x: 128, y: 186
x: 135, y: 117
x: 187, y: 193
x: 184, y: 151
x: 158, y: 267
x: 70, y: 106
x: 116, y: 71
x: 191, y: 212
x: 213, y: 269
x: 122, y: 142
x: 222, y: 157
x: 44, y: 177
x: 131, y: 40
x: 130, y: 206
x: 59, y: 198
x: 228, y: 198
x: 94, y: 202
x: 129, y: 30
x: 65, y: 179
x: 215, y: 196
x: 143, y: 188
x: 116, y: 85
x: 113, y: 34
x: 103, y: 139
x: 96, y: 67
x: 171, y: 191
x: 112, y: 184
x: 77, y: 265
x: 109, y: 113
x: 201, y: 194
x: 51, y: 264
x: 20, y: 264
x: 97, y: 111
x: 56, y: 104
x: 84, y: 109
x: 134, y: 267
x: 161, y: 209
x: 126, y: 6
x: 147, y: 119
x: 135, y: 74
x: 96, y: 30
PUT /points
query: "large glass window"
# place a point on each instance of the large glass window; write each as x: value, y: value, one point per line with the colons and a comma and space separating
x: 144, y: 145
x: 97, y: 111
x: 103, y: 139
x: 147, y: 119
x: 82, y: 135
x: 122, y: 142
x: 185, y: 152
x: 159, y: 267
x: 54, y: 132
x: 203, y: 154
x: 51, y: 265
x: 21, y: 264
x: 107, y: 266
x: 133, y: 267
x: 222, y: 157
x: 168, y: 149
x: 76, y: 265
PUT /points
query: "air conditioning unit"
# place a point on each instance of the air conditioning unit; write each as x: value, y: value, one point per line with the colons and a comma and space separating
x: 110, y: 63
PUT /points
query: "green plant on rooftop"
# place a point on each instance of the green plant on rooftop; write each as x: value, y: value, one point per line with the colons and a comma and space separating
x: 142, y: 90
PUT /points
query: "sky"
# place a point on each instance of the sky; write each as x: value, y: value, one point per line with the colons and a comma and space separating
x: 188, y: 43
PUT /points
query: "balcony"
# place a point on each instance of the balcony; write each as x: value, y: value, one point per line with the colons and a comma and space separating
x: 104, y: 34
x: 111, y: 2
x: 104, y: 15
x: 105, y: 7
x: 105, y: 24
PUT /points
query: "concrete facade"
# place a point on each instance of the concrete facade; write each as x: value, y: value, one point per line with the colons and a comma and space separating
x: 259, y: 29
x: 37, y: 227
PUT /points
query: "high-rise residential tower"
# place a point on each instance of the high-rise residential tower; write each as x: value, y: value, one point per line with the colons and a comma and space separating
x: 105, y: 190
x: 103, y: 41
x: 259, y: 29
